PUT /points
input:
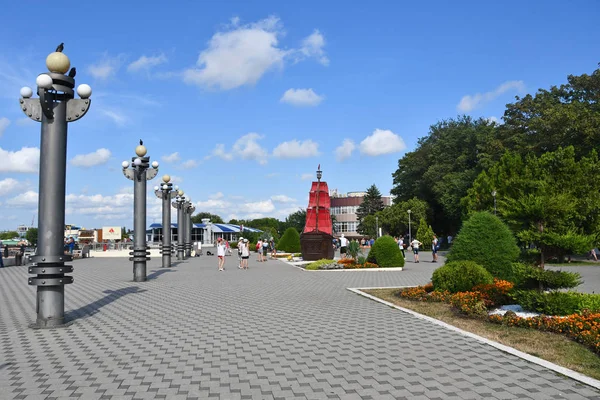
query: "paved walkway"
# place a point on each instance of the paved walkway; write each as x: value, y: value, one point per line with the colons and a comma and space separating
x: 273, y: 331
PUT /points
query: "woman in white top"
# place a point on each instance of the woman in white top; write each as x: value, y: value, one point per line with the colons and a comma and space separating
x: 221, y: 254
x: 415, y: 246
x: 401, y: 246
x: 245, y: 253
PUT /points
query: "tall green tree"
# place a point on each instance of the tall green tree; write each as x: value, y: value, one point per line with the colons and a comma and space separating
x: 215, y: 219
x: 443, y: 166
x: 394, y: 219
x: 9, y: 235
x: 549, y: 201
x: 296, y: 220
x: 371, y: 204
x: 425, y: 234
x: 32, y: 236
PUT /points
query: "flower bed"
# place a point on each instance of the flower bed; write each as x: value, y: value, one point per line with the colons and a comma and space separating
x: 584, y: 327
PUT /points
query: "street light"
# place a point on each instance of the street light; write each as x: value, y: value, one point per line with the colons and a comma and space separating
x: 164, y: 192
x: 55, y: 108
x: 179, y: 205
x: 409, y: 230
x: 494, y: 195
x: 139, y: 173
x: 189, y: 210
x: 376, y: 226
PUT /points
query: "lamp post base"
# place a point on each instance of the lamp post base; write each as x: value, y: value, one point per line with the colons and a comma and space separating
x: 139, y: 272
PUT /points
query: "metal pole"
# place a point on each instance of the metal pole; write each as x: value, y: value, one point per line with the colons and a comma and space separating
x: 376, y: 227
x: 190, y: 225
x: 185, y: 230
x: 409, y: 230
x: 166, y: 228
x: 139, y: 227
x: 55, y: 107
x: 180, y: 229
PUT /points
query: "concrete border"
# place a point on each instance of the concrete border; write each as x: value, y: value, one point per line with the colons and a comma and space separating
x: 536, y: 360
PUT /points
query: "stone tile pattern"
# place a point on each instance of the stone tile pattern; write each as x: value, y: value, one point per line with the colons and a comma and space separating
x: 272, y: 332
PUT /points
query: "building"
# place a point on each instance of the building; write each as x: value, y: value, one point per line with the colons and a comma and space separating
x: 207, y: 232
x: 344, y: 207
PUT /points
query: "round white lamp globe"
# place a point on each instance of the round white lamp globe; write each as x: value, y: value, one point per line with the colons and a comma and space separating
x: 165, y: 187
x: 156, y: 188
x: 26, y: 92
x: 176, y: 188
x: 137, y: 162
x: 140, y: 150
x: 154, y: 164
x: 125, y: 164
x: 58, y: 62
x: 166, y: 178
x: 44, y: 81
x: 181, y: 193
x: 84, y: 91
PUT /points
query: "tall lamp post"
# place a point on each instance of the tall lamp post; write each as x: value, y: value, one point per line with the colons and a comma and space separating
x: 494, y: 195
x: 409, y: 230
x: 164, y: 192
x: 139, y: 173
x: 189, y: 210
x: 319, y: 176
x: 376, y: 226
x: 178, y: 204
x: 55, y: 108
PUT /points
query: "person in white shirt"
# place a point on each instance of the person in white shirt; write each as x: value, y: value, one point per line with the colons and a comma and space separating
x: 434, y: 248
x: 415, y: 246
x: 240, y: 245
x: 245, y: 253
x: 221, y: 254
x: 401, y: 246
x: 343, y: 246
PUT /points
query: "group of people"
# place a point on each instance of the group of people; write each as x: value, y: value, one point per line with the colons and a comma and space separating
x: 243, y: 248
x: 415, y: 245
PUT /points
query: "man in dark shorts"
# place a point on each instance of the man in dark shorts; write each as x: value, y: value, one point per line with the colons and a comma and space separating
x: 343, y: 246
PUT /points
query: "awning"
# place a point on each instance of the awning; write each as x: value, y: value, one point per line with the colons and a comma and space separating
x: 217, y: 228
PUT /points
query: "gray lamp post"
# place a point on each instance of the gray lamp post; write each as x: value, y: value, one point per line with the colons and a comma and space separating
x: 409, y: 230
x: 164, y: 192
x: 494, y: 195
x: 178, y: 204
x: 189, y: 210
x: 139, y: 173
x: 376, y: 226
x: 55, y: 108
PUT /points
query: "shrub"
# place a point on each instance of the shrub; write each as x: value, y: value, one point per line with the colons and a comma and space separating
x: 290, y: 241
x: 557, y: 303
x: 469, y: 303
x: 485, y: 239
x: 425, y: 234
x: 496, y: 294
x: 460, y: 276
x: 319, y: 263
x: 529, y: 277
x: 353, y: 249
x: 386, y: 253
x: 361, y: 260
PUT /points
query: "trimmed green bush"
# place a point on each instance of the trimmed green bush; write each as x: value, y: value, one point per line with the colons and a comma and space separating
x: 556, y: 303
x: 529, y: 277
x: 290, y: 241
x: 386, y: 253
x: 486, y: 240
x: 460, y: 276
x: 317, y: 264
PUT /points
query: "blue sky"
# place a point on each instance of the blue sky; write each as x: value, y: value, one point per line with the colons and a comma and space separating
x: 241, y: 101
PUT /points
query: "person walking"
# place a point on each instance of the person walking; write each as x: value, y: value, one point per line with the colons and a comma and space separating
x: 343, y: 246
x: 240, y: 245
x: 221, y: 254
x: 401, y: 246
x: 265, y: 249
x: 259, y: 250
x: 1, y: 258
x: 415, y: 247
x: 434, y: 248
x: 245, y: 253
x: 272, y: 247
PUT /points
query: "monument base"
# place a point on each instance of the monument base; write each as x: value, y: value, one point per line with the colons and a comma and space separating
x: 316, y: 246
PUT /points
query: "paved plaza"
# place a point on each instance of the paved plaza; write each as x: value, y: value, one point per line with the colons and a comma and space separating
x: 273, y: 331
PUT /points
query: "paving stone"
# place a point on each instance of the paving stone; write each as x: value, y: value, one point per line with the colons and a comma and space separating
x: 272, y: 332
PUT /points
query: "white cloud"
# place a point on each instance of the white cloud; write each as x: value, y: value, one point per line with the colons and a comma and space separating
x: 171, y: 158
x: 345, y: 150
x: 241, y: 54
x: 105, y: 68
x: 382, y: 142
x: 216, y: 196
x: 27, y: 199
x: 24, y: 121
x: 212, y: 205
x: 296, y: 149
x: 9, y: 185
x: 301, y: 97
x: 494, y: 120
x: 26, y: 160
x: 118, y: 205
x: 4, y: 123
x: 281, y: 198
x: 117, y: 117
x: 306, y: 177
x: 146, y: 63
x: 312, y: 46
x: 98, y: 157
x: 246, y: 148
x: 471, y: 102
x: 261, y: 207
x: 189, y: 164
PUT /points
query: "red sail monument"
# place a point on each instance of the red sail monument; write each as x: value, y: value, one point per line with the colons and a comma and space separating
x: 316, y: 240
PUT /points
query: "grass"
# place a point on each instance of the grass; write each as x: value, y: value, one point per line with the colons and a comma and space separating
x: 576, y: 263
x: 551, y: 347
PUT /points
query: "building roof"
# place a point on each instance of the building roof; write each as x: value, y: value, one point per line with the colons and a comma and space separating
x: 218, y: 228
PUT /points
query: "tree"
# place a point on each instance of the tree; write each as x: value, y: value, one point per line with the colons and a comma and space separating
x: 371, y: 204
x: 124, y: 234
x: 290, y: 241
x: 548, y: 201
x: 8, y: 235
x: 394, y: 219
x: 425, y: 234
x: 215, y: 219
x: 368, y: 226
x: 32, y: 236
x: 295, y: 220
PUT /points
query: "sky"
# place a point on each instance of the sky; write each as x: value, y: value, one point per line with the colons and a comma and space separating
x: 240, y: 101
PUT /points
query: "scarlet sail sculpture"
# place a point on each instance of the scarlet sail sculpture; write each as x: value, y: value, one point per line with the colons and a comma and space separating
x: 316, y: 239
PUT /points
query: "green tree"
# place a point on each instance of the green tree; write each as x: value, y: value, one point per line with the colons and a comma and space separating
x: 371, y: 204
x: 368, y: 226
x: 124, y: 234
x: 32, y: 236
x: 547, y: 201
x: 215, y: 219
x: 8, y: 235
x: 425, y: 234
x: 394, y: 219
x: 290, y: 241
x: 296, y: 220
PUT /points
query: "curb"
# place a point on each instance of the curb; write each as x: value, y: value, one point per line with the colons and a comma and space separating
x: 535, y: 360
